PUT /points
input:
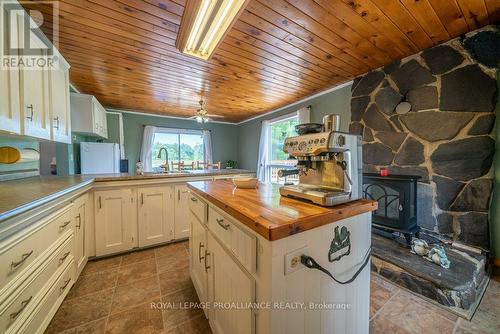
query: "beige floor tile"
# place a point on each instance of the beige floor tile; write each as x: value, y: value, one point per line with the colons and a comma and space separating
x: 174, y: 280
x: 136, y: 272
x: 138, y: 256
x: 101, y: 265
x: 379, y: 295
x: 131, y: 295
x: 198, y: 325
x: 94, y: 327
x: 178, y: 309
x: 381, y: 325
x: 177, y: 248
x: 172, y: 261
x: 415, y: 315
x: 93, y: 282
x: 142, y: 319
x: 81, y: 310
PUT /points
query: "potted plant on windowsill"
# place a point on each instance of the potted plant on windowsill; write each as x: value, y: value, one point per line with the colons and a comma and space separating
x: 231, y: 164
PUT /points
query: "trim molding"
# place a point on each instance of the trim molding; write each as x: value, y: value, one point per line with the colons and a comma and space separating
x: 308, y: 98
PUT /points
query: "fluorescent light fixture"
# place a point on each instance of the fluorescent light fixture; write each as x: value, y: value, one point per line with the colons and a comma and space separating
x: 204, y: 24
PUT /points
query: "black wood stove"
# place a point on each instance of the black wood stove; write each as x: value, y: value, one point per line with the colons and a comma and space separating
x: 397, y: 202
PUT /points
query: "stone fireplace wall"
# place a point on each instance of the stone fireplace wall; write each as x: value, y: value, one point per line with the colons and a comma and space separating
x: 446, y: 137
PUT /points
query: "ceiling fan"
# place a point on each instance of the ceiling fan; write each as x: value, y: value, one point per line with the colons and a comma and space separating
x: 202, y: 115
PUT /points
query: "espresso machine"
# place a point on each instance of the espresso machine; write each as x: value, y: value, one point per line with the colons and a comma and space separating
x: 329, y: 165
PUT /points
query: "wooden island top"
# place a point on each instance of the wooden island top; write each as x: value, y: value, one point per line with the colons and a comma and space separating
x: 271, y: 215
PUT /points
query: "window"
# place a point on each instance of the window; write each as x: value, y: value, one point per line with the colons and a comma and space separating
x: 280, y: 129
x: 182, y: 145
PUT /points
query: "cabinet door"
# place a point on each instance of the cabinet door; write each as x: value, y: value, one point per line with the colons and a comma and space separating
x: 81, y: 214
x: 34, y: 85
x: 197, y: 248
x: 114, y: 220
x: 229, y: 283
x: 60, y: 103
x: 181, y: 212
x: 9, y: 95
x: 156, y: 215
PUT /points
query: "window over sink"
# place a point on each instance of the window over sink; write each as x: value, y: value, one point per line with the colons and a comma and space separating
x: 185, y: 147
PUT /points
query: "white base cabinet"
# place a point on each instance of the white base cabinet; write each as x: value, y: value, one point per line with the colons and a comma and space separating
x: 156, y: 218
x: 182, y: 223
x: 242, y: 268
x: 115, y: 219
x: 228, y: 283
x: 82, y: 209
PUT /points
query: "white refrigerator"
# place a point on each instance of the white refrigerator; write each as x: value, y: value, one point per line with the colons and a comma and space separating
x: 99, y: 158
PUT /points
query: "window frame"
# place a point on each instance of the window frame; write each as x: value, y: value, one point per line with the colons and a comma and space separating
x: 178, y: 132
x: 269, y: 165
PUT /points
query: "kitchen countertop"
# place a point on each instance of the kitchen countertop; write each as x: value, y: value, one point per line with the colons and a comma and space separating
x: 271, y: 215
x: 19, y: 196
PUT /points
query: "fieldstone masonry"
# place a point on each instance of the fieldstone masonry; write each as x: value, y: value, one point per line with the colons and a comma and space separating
x: 446, y: 137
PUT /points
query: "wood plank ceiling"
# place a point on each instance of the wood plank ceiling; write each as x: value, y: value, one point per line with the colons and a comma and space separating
x: 279, y: 51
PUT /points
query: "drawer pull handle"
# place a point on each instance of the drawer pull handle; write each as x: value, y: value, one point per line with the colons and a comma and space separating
x: 61, y: 260
x: 64, y: 224
x: 30, y: 108
x: 220, y: 222
x: 194, y: 199
x: 24, y: 257
x: 206, y: 267
x: 24, y: 303
x: 63, y: 287
x: 79, y: 225
x: 199, y: 251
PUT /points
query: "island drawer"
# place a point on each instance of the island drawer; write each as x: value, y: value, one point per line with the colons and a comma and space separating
x: 198, y: 207
x: 240, y: 243
x: 22, y: 300
x: 23, y: 248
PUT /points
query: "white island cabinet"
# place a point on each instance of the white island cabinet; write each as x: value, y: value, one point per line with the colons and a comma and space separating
x: 246, y: 247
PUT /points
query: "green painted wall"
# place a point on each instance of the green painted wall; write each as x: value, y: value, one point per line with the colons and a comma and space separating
x: 495, y: 202
x: 336, y: 102
x: 18, y: 142
x: 224, y: 136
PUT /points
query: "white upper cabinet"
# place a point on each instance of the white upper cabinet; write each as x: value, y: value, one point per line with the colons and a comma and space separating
x: 9, y: 96
x: 34, y: 83
x: 34, y: 101
x: 88, y: 116
x: 60, y: 102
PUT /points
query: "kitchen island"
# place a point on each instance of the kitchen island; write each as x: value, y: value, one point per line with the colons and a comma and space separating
x: 263, y: 263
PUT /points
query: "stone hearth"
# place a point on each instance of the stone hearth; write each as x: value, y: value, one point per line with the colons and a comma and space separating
x: 445, y: 138
x: 458, y: 289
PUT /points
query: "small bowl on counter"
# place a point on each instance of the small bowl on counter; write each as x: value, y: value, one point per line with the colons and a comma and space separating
x: 245, y: 182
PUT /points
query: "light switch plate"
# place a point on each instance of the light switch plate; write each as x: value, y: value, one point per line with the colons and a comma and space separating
x: 292, y: 260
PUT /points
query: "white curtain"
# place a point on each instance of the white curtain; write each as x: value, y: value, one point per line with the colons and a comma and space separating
x: 207, y: 142
x: 304, y: 115
x: 262, y: 173
x: 147, y: 147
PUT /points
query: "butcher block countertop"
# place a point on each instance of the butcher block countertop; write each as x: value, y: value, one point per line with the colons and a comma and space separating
x: 271, y: 215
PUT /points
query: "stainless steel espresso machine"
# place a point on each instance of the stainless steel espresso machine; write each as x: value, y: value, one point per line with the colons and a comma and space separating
x: 329, y: 165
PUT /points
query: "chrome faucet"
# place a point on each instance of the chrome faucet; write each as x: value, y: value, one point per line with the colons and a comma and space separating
x: 165, y: 166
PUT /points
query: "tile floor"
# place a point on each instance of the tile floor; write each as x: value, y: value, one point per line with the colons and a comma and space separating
x: 114, y: 295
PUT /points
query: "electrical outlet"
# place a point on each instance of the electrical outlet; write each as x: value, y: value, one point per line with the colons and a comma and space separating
x: 292, y: 260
